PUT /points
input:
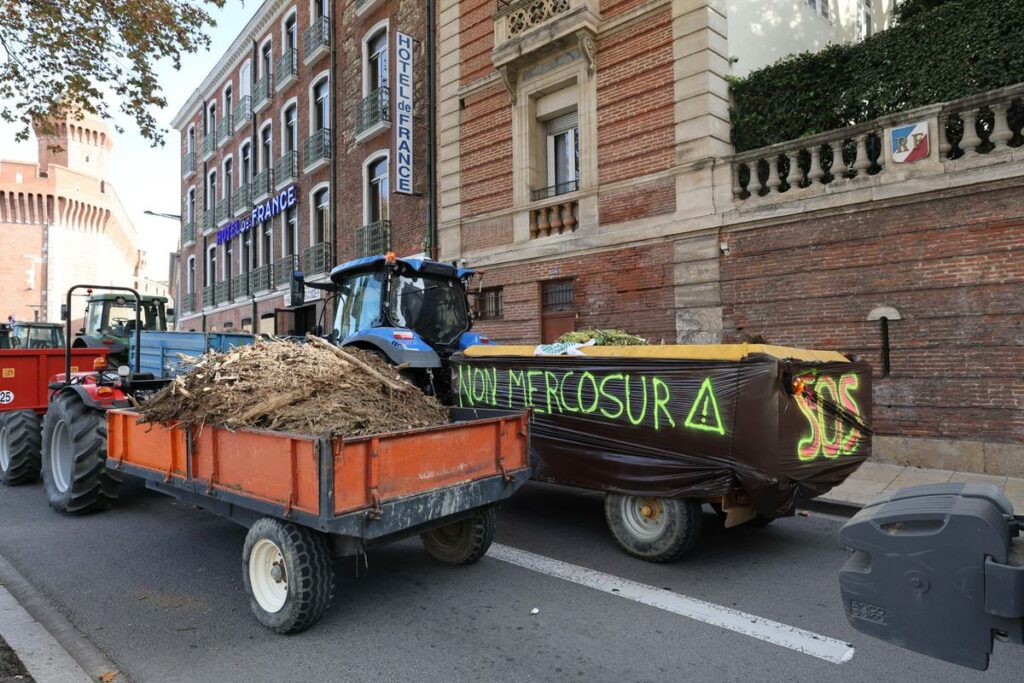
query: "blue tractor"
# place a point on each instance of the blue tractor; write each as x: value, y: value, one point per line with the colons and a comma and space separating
x: 413, y: 312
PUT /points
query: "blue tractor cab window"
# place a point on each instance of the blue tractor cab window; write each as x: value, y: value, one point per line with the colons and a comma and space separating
x: 433, y: 307
x: 359, y: 302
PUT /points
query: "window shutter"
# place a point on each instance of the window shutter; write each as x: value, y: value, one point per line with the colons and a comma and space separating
x: 563, y: 123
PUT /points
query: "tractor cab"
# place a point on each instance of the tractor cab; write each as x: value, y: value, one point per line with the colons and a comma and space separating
x: 110, y: 322
x: 33, y: 335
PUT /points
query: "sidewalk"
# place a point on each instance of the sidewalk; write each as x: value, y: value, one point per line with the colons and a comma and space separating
x: 874, y: 479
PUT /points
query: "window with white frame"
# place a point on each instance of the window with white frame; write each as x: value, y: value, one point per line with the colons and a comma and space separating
x: 229, y: 254
x: 245, y: 160
x: 266, y: 58
x: 210, y: 274
x: 290, y: 38
x: 248, y: 255
x: 321, y: 105
x: 190, y: 205
x: 228, y: 101
x: 228, y: 178
x: 820, y: 7
x: 211, y: 191
x: 290, y: 231
x: 267, y: 243
x: 190, y: 276
x: 377, y: 192
x: 321, y: 215
x: 266, y: 147
x: 245, y: 79
x: 291, y: 129
x: 211, y: 119
x: 375, y: 71
x: 563, y: 154
x: 191, y: 139
x: 321, y: 8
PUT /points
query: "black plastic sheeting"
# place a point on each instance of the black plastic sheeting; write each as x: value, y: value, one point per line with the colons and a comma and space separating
x: 683, y: 428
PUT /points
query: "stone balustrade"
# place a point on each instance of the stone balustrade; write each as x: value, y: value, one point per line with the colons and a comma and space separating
x: 974, y: 130
x: 555, y: 219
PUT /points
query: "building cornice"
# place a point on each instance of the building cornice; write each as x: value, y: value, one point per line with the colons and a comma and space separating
x: 229, y: 61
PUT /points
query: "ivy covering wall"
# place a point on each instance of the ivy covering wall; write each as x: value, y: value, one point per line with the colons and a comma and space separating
x: 958, y: 49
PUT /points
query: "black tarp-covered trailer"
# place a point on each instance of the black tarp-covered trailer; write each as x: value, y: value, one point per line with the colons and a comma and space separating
x: 767, y: 426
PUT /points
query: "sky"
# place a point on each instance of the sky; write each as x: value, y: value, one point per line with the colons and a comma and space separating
x: 148, y: 177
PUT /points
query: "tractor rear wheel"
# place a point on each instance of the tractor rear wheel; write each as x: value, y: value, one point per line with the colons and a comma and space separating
x: 20, y: 446
x: 463, y: 542
x: 653, y: 529
x: 74, y: 464
x: 288, y: 574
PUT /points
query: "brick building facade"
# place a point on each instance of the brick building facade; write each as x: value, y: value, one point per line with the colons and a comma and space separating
x: 290, y: 158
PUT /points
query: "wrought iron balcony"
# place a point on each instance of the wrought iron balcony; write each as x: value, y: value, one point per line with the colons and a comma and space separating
x: 374, y: 110
x: 209, y: 145
x: 188, y: 164
x: 243, y: 111
x: 374, y: 238
x: 318, y: 258
x: 242, y: 201
x: 209, y: 220
x: 286, y: 69
x: 286, y: 168
x: 207, y: 297
x: 188, y: 232
x: 240, y: 286
x: 526, y: 29
x: 225, y: 129
x: 260, y: 279
x: 262, y: 183
x: 222, y: 292
x: 316, y: 40
x: 188, y: 302
x: 283, y: 269
x: 223, y: 211
x: 261, y: 92
x: 316, y: 148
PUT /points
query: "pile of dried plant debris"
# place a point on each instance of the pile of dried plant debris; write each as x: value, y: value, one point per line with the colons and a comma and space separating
x: 312, y: 389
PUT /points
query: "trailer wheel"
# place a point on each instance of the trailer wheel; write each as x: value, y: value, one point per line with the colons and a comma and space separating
x: 463, y: 542
x: 288, y: 574
x: 653, y: 529
x: 74, y: 462
x: 20, y: 447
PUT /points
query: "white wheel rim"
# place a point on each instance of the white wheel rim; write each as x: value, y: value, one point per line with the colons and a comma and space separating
x: 268, y: 576
x: 645, y: 518
x: 62, y: 459
x: 5, y: 450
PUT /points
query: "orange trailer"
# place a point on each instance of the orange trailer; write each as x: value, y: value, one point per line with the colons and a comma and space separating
x: 306, y: 499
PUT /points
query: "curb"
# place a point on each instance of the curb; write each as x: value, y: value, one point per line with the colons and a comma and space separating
x: 49, y: 646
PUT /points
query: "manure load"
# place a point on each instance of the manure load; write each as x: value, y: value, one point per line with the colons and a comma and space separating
x: 752, y: 429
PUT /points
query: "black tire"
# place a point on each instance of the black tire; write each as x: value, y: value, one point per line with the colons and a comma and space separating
x: 308, y: 574
x: 20, y: 447
x: 80, y: 482
x: 463, y: 542
x: 653, y: 529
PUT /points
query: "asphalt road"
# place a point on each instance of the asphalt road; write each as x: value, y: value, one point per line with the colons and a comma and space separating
x: 157, y: 586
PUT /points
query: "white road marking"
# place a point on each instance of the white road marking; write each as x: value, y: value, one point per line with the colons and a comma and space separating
x: 807, y: 642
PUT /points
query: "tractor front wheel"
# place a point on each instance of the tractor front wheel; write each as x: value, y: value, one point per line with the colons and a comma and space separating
x: 20, y: 445
x: 653, y: 529
x: 74, y: 463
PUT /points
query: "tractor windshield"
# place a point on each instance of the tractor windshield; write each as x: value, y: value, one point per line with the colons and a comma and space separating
x: 359, y: 300
x: 433, y: 307
x: 26, y: 336
x: 117, y: 319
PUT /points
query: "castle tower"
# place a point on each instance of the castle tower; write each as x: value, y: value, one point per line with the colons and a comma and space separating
x: 80, y: 145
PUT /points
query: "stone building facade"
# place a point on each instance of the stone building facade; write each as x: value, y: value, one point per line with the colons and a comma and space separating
x: 298, y: 153
x: 62, y: 223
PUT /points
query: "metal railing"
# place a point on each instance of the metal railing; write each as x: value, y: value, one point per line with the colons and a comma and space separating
x: 188, y: 232
x: 225, y: 129
x: 261, y: 91
x: 242, y: 201
x: 209, y: 219
x: 316, y: 37
x: 222, y: 292
x: 374, y: 238
x: 260, y: 278
x: 188, y: 302
x: 317, y: 147
x: 262, y: 183
x: 223, y: 211
x: 555, y: 190
x: 287, y: 67
x: 286, y: 168
x: 207, y: 297
x: 188, y: 164
x: 283, y: 269
x: 318, y: 258
x: 243, y: 110
x: 209, y: 145
x: 240, y: 285
x: 375, y: 108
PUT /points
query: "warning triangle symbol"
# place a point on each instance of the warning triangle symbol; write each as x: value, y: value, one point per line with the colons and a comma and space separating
x: 704, y: 414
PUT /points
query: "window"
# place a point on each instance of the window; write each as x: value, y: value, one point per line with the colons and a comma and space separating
x: 229, y: 252
x: 291, y: 142
x: 190, y: 206
x: 321, y: 215
x: 246, y: 156
x: 557, y: 296
x: 267, y: 248
x: 490, y: 303
x: 819, y: 6
x: 320, y: 9
x: 321, y: 105
x: 563, y: 154
x: 228, y: 103
x: 865, y: 18
x: 190, y: 276
x: 245, y: 80
x: 248, y: 257
x: 210, y: 274
x: 211, y: 191
x: 376, y: 72
x: 266, y: 58
x: 290, y: 226
x: 290, y: 40
x: 228, y: 176
x: 211, y: 119
x: 191, y: 139
x: 359, y: 304
x: 378, y: 193
x: 266, y: 147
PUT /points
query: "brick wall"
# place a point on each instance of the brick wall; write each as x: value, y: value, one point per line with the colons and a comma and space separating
x: 629, y: 289
x: 476, y: 39
x: 21, y: 271
x: 486, y: 143
x: 953, y: 268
